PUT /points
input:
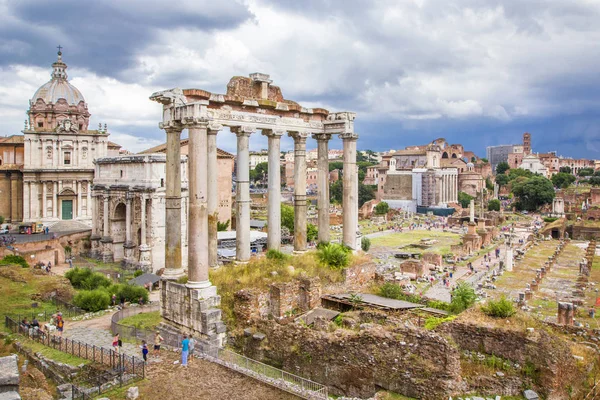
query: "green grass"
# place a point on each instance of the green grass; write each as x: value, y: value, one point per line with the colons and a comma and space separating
x: 444, y: 241
x: 54, y: 354
x: 146, y: 320
x: 19, y: 286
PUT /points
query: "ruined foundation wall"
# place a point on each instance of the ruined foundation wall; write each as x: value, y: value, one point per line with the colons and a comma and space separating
x: 359, y: 363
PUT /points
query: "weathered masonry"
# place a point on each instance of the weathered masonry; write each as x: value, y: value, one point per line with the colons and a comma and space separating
x: 250, y: 104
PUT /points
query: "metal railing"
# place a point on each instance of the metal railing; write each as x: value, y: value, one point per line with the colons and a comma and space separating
x: 276, y: 377
x: 104, y: 356
x: 68, y: 310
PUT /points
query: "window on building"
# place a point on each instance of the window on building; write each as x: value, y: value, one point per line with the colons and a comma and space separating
x: 67, y: 159
x: 80, y: 126
x: 121, y: 173
x: 40, y: 124
x: 162, y: 182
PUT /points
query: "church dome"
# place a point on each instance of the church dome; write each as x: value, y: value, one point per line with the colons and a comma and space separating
x: 58, y: 87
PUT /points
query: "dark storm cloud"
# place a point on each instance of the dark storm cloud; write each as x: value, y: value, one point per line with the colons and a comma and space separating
x: 103, y: 36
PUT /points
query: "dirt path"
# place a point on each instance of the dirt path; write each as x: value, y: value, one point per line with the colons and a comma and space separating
x: 202, y: 380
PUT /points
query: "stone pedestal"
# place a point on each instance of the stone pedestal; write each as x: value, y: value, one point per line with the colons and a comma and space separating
x: 145, y: 262
x: 107, y: 255
x: 194, y: 311
x: 96, y: 250
x: 128, y: 259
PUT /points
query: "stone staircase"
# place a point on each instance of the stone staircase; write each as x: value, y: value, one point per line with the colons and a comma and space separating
x: 68, y: 226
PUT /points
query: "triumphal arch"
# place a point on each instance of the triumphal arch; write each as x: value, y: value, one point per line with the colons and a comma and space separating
x: 250, y: 104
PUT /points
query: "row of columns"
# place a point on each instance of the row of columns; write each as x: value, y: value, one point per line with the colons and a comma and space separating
x: 448, y: 188
x: 203, y: 195
x: 31, y: 190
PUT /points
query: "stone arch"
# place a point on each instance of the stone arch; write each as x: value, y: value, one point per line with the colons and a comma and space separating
x: 591, y: 219
x: 117, y: 229
x: 444, y: 155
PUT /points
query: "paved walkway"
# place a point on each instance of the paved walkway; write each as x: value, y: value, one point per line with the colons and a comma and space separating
x: 99, y: 338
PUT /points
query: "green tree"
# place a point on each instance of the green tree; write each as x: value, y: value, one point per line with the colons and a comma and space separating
x: 502, y: 167
x: 336, y: 165
x: 502, y: 180
x: 494, y: 205
x: 365, y: 193
x: 464, y: 199
x: 336, y: 191
x: 562, y: 180
x: 586, y: 172
x: 566, y: 170
x: 533, y: 192
x: 261, y: 170
x: 594, y: 181
x: 287, y: 217
x: 382, y: 208
x: 484, y: 160
x: 518, y: 172
x: 488, y: 184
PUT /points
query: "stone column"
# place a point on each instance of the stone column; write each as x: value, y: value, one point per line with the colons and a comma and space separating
x: 26, y: 202
x: 198, y: 204
x: 105, y: 227
x: 299, y: 190
x: 323, y: 185
x: 128, y: 218
x: 88, y: 203
x: 274, y: 205
x: 44, y: 194
x: 213, y: 193
x: 55, y: 200
x: 145, y: 263
x: 173, y: 268
x: 242, y: 226
x: 79, y: 208
x: 350, y: 190
x: 508, y: 262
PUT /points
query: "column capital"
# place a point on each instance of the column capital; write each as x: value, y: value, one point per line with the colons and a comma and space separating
x: 298, y: 136
x: 348, y: 136
x: 243, y: 130
x: 195, y: 122
x: 129, y: 197
x: 276, y: 133
x: 321, y: 136
x: 214, y: 128
x: 171, y: 126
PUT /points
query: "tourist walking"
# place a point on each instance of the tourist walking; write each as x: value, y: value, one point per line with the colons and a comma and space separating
x: 185, y: 349
x: 144, y: 347
x: 60, y: 324
x: 157, y: 341
x: 116, y: 342
x: 192, y: 345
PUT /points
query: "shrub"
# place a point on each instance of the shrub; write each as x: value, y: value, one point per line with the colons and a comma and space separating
x: 13, y: 259
x: 92, y: 300
x: 320, y: 245
x: 276, y: 255
x: 336, y: 256
x: 1, y: 219
x: 494, y: 205
x: 502, y: 308
x: 391, y: 291
x: 138, y: 272
x: 463, y: 297
x: 365, y: 243
x: 549, y: 219
x: 222, y: 226
x: 312, y: 232
x: 130, y: 293
x: 382, y: 208
x: 86, y: 279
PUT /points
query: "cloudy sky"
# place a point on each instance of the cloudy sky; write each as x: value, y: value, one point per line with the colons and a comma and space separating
x: 477, y: 72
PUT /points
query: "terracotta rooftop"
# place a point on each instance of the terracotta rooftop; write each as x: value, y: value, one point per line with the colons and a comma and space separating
x: 113, y: 145
x: 162, y: 148
x: 12, y: 139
